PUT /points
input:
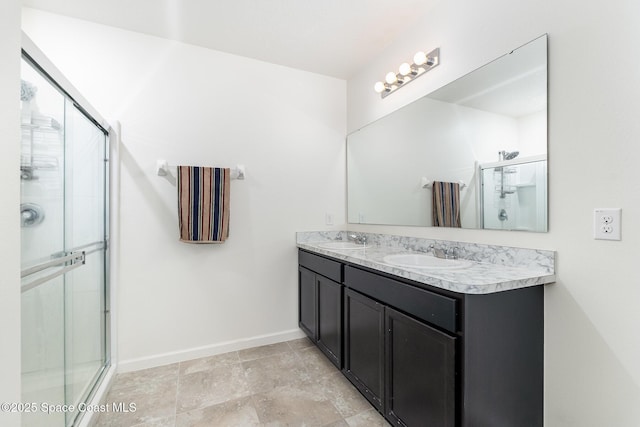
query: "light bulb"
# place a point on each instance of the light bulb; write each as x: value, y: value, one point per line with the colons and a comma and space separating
x: 419, y: 58
x: 390, y: 77
x: 405, y: 69
x: 379, y: 87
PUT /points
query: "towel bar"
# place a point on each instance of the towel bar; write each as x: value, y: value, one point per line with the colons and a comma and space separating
x: 162, y: 169
x: 425, y: 183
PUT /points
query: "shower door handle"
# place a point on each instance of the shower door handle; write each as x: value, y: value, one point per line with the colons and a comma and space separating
x: 67, y: 263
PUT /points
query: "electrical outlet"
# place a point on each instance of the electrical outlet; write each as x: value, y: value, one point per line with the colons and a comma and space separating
x: 328, y: 219
x: 607, y: 224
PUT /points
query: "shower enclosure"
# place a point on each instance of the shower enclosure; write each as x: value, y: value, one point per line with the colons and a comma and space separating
x: 514, y: 193
x: 64, y: 253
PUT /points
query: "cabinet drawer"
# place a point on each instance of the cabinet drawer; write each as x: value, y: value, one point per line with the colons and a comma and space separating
x: 428, y: 306
x: 321, y: 265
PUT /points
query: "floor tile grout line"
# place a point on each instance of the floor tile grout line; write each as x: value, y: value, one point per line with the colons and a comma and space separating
x: 175, y: 403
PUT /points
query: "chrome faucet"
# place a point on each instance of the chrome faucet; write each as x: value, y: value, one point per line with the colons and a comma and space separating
x: 451, y: 253
x: 358, y: 238
x: 446, y: 253
x: 437, y: 252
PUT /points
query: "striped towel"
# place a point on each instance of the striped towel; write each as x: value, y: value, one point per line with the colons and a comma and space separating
x: 203, y: 204
x: 446, y: 204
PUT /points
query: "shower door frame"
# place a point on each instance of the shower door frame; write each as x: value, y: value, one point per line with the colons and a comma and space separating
x: 43, y: 64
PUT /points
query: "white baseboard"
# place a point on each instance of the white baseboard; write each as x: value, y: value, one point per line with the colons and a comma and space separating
x: 210, y: 350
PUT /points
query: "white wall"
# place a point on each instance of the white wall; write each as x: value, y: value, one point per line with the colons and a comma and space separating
x: 191, y: 105
x: 532, y: 134
x: 592, y: 374
x: 9, y: 202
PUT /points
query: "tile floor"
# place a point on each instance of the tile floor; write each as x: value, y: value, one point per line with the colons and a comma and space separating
x: 285, y: 384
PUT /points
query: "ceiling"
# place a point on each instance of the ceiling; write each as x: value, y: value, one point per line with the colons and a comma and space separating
x: 330, y: 37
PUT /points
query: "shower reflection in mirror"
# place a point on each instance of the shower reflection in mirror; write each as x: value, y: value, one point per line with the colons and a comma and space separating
x: 514, y: 194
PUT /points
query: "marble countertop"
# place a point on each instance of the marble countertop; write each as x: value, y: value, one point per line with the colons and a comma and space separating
x: 492, y: 268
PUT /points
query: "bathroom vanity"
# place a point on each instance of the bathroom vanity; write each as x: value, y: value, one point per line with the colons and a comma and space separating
x: 437, y: 346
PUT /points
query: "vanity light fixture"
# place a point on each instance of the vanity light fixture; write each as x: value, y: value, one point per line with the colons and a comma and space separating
x: 422, y: 62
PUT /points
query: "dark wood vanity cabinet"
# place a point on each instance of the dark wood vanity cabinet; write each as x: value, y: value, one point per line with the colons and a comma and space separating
x: 329, y: 334
x: 420, y: 373
x: 403, y: 366
x: 364, y: 345
x: 425, y: 356
x: 307, y: 302
x: 320, y: 303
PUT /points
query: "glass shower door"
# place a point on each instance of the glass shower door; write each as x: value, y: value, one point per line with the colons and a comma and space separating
x: 63, y: 253
x: 85, y: 231
x: 42, y: 242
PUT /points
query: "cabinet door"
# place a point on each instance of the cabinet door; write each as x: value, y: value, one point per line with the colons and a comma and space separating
x: 330, y: 319
x: 364, y: 345
x: 307, y: 295
x: 420, y: 373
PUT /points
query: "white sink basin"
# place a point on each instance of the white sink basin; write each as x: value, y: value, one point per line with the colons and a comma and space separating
x: 424, y: 261
x: 339, y: 245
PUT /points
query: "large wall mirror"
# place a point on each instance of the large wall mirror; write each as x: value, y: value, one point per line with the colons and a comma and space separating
x: 485, y: 132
